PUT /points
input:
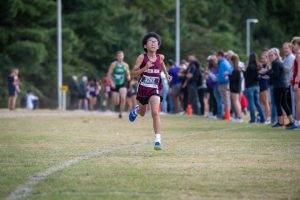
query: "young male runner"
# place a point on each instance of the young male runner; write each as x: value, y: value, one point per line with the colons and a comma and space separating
x: 148, y: 66
x: 116, y: 75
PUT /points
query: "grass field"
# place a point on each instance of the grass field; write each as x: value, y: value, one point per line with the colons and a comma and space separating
x: 76, y: 155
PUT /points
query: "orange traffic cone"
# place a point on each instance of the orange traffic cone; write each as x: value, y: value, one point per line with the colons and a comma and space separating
x: 227, y: 114
x: 189, y: 110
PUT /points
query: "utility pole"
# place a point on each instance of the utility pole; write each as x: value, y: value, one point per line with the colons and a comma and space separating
x: 248, y: 21
x: 59, y: 55
x: 177, y: 32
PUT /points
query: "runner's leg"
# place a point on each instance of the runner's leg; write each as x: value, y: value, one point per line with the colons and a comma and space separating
x: 123, y: 92
x: 154, y: 103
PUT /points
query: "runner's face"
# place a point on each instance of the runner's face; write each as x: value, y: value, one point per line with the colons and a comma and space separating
x: 152, y: 44
x: 120, y: 57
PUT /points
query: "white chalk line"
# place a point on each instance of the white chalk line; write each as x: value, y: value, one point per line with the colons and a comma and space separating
x: 26, y: 189
x: 116, y: 193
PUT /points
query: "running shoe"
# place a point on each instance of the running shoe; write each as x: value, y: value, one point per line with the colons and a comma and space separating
x: 240, y: 120
x: 157, y: 146
x: 267, y: 122
x: 120, y: 116
x: 132, y: 115
x: 277, y: 125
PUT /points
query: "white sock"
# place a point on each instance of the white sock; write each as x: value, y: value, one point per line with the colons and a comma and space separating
x: 157, y: 138
x: 136, y: 109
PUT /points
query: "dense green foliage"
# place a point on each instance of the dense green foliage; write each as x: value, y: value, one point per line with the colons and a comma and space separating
x: 94, y: 30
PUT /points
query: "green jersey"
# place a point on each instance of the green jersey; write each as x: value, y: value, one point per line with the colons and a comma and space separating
x: 119, y: 74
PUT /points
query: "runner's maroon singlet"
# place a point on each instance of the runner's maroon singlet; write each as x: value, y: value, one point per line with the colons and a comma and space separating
x: 150, y: 81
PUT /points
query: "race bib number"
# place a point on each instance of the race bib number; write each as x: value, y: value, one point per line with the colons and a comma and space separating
x: 148, y: 81
x: 118, y: 76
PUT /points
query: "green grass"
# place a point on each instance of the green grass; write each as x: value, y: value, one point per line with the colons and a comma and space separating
x: 201, y: 158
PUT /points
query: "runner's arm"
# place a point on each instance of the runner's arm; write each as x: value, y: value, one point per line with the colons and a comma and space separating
x: 109, y: 74
x: 169, y: 78
x: 137, y: 71
x: 127, y: 72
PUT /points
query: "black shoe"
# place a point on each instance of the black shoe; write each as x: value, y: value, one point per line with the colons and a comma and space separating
x: 120, y: 115
x: 291, y: 125
x: 277, y: 125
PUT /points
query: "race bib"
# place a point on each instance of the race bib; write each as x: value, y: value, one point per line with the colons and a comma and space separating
x: 118, y: 76
x: 149, y: 81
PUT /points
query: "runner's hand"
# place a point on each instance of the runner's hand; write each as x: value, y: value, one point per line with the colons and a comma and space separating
x: 148, y: 65
x: 113, y: 85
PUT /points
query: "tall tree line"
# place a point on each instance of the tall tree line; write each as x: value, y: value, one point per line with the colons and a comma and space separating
x: 94, y: 30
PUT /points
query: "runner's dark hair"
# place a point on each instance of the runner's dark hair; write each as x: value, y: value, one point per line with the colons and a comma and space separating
x: 149, y: 35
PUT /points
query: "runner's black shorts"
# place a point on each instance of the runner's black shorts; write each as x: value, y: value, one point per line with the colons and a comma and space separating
x: 145, y: 100
x: 118, y: 87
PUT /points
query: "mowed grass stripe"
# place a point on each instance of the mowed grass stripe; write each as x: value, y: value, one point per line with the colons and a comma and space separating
x: 198, y: 161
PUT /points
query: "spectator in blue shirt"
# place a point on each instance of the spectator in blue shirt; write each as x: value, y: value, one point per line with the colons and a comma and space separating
x: 224, y: 70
